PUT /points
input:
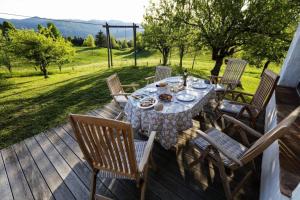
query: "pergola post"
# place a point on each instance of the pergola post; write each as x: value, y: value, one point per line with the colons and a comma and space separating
x: 134, y: 43
x: 108, y: 44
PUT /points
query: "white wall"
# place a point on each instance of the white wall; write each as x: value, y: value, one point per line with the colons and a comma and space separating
x: 270, y: 167
x: 290, y: 72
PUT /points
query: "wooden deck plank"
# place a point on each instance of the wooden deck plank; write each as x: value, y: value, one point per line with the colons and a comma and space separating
x: 36, y: 182
x: 5, y: 190
x: 56, y: 184
x: 72, y: 181
x: 172, y: 170
x: 110, y: 184
x: 102, y: 188
x: 73, y: 161
x: 57, y: 159
x: 18, y: 182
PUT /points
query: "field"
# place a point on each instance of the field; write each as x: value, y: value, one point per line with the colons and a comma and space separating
x: 30, y: 104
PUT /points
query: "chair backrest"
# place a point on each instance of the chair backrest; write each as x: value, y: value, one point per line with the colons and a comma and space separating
x: 265, y: 90
x: 268, y: 138
x: 106, y: 144
x: 233, y: 71
x: 114, y: 84
x: 162, y: 72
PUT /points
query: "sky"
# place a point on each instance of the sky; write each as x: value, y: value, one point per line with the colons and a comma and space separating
x: 124, y: 10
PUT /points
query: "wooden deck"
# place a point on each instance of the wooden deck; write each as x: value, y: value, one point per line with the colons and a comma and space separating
x: 51, y: 166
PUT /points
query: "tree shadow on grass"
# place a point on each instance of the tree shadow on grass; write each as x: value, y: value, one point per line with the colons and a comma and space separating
x: 21, y: 119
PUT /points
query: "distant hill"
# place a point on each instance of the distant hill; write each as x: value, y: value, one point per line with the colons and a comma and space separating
x: 74, y: 29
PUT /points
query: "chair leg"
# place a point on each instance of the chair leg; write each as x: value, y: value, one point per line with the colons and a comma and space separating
x: 93, y: 185
x: 152, y: 163
x: 225, y: 182
x: 144, y: 183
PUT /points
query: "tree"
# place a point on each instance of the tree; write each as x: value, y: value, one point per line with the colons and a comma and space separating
x: 130, y: 44
x: 266, y: 50
x: 40, y: 49
x: 89, y: 41
x: 49, y: 31
x: 225, y: 26
x: 6, y: 48
x: 101, y: 39
x: 77, y: 41
x: 157, y: 24
x: 140, y: 45
x: 124, y: 44
x: 114, y: 43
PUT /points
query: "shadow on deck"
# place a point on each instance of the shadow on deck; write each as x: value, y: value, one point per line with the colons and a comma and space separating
x: 51, y: 166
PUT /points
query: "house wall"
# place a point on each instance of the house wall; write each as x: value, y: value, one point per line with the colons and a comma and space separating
x: 290, y: 71
x: 270, y: 167
x: 270, y: 173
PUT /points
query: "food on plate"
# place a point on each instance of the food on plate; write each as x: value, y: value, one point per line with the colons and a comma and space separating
x: 162, y: 84
x: 165, y: 97
x: 147, y: 102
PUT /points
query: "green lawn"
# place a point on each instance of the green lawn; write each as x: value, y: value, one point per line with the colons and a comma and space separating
x: 30, y: 104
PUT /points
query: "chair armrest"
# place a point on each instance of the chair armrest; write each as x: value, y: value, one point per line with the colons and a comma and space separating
x: 242, y: 125
x: 147, y: 152
x: 149, y: 78
x: 237, y: 94
x: 121, y: 94
x: 132, y: 85
x: 218, y: 147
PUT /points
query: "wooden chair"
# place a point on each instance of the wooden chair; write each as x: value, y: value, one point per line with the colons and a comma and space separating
x: 225, y: 152
x: 258, y: 103
x: 161, y: 73
x: 109, y: 148
x: 231, y: 77
x: 117, y: 91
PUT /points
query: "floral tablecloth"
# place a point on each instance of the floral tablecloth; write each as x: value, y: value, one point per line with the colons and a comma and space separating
x: 176, y: 115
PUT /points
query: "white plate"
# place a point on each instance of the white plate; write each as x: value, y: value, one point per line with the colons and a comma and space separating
x: 151, y: 89
x: 199, y: 85
x: 173, y: 79
x: 185, y: 96
x: 144, y: 99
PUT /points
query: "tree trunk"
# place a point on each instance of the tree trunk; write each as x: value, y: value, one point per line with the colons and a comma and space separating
x: 44, y: 70
x: 216, y: 70
x: 194, y: 59
x: 181, y: 54
x: 165, y: 54
x: 9, y: 68
x: 265, y: 67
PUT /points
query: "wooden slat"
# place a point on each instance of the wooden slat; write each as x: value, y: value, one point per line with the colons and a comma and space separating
x: 73, y: 145
x: 5, y: 191
x: 75, y: 185
x: 73, y: 161
x: 19, y: 185
x: 36, y: 182
x: 55, y: 182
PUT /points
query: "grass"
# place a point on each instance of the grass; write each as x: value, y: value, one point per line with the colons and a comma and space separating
x: 30, y: 104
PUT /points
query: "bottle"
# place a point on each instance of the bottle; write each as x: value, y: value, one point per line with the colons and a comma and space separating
x: 185, y: 75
